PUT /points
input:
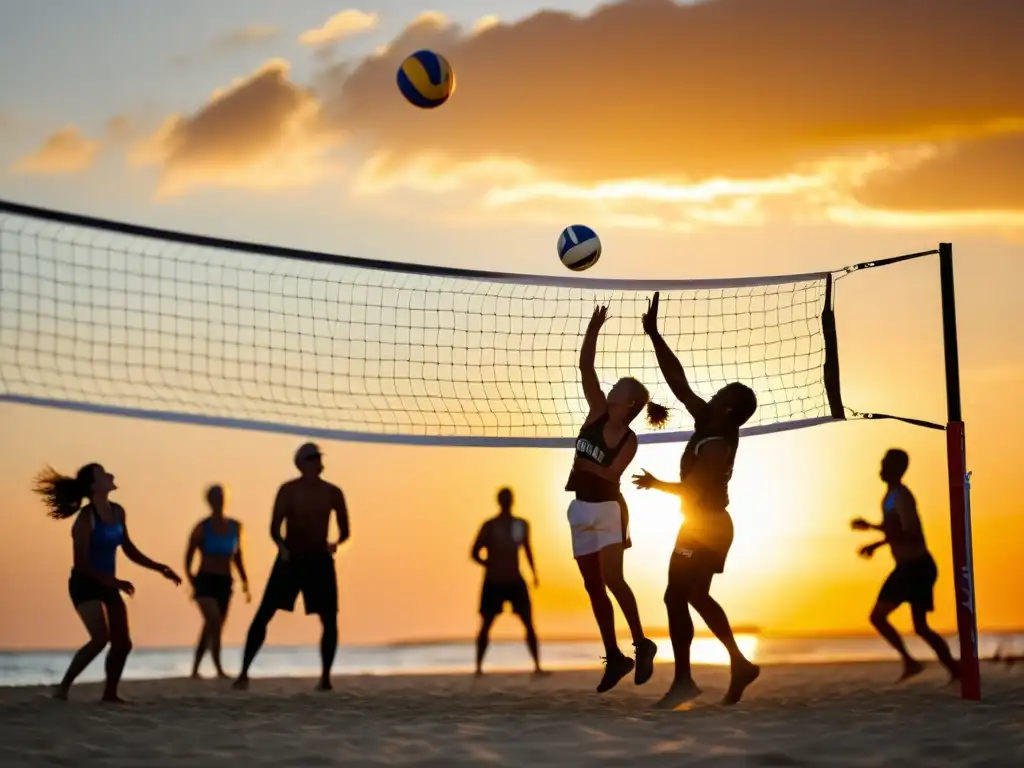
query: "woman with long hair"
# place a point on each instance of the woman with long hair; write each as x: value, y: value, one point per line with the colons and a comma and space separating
x: 219, y: 540
x: 99, y: 530
x: 598, y: 515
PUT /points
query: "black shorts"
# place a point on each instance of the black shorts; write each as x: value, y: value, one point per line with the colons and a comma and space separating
x: 494, y: 595
x: 312, y: 575
x: 216, y: 586
x: 85, y: 589
x: 913, y: 583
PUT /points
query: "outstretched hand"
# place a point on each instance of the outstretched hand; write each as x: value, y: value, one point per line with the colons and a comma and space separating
x: 168, y: 573
x: 860, y: 524
x: 649, y: 320
x: 599, y: 317
x: 867, y: 551
x: 644, y: 480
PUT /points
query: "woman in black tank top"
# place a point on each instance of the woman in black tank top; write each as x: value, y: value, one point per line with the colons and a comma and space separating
x: 604, y: 448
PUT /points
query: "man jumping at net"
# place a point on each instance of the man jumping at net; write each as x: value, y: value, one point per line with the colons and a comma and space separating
x: 305, y: 560
x: 502, y: 537
x: 706, y: 534
x: 913, y: 579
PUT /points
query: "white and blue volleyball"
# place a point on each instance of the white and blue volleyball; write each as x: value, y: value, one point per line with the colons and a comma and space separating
x: 426, y: 79
x: 579, y: 247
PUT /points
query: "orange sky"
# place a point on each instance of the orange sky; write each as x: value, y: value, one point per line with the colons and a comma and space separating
x: 729, y: 137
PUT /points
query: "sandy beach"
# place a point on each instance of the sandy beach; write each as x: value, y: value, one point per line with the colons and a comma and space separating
x: 843, y: 714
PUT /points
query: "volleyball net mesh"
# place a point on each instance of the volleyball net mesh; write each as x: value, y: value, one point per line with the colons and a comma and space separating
x: 112, y: 318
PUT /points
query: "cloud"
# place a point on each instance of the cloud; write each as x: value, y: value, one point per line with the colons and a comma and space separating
x: 66, y: 151
x: 982, y: 175
x: 263, y: 132
x: 736, y: 88
x: 340, y: 26
x: 245, y: 37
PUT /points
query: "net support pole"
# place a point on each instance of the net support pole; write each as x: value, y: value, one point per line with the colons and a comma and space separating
x: 959, y: 489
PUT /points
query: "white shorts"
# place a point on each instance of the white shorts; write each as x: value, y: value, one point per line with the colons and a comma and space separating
x: 594, y: 525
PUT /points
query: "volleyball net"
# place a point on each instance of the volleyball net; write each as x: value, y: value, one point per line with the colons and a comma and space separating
x: 112, y: 318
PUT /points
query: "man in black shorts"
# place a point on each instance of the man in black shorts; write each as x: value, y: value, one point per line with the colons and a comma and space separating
x: 706, y: 534
x: 913, y: 579
x: 305, y: 559
x: 502, y: 536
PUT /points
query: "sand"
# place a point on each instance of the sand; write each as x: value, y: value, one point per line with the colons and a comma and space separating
x: 821, y: 715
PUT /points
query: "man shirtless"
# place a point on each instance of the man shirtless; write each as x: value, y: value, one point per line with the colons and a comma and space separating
x: 502, y: 536
x: 305, y: 560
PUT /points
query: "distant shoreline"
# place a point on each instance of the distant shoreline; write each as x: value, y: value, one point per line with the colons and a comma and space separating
x: 656, y: 633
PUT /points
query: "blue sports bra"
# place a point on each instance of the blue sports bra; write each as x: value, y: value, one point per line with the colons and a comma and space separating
x: 220, y: 544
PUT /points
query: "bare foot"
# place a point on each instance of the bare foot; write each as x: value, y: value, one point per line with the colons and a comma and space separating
x: 679, y: 694
x: 196, y: 676
x: 112, y: 698
x: 241, y: 684
x: 541, y: 673
x: 222, y: 675
x: 743, y: 674
x: 324, y: 684
x: 60, y: 693
x: 911, y: 668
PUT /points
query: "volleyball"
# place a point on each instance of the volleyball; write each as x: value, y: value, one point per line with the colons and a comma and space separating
x: 579, y: 247
x: 426, y: 79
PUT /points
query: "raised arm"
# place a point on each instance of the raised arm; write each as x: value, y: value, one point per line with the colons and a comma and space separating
x: 588, y: 355
x: 670, y: 366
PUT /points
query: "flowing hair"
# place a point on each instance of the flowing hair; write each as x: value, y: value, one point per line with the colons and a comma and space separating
x: 63, y: 495
x: 657, y: 414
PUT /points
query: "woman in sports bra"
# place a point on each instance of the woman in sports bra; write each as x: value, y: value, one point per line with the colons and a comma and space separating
x: 219, y: 540
x: 99, y: 530
x: 598, y: 516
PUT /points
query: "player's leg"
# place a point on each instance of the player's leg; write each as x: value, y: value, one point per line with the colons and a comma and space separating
x: 491, y: 604
x: 893, y: 594
x: 611, y: 558
x: 520, y: 598
x: 281, y: 592
x: 743, y: 671
x: 617, y: 664
x: 680, y: 629
x: 319, y: 585
x: 921, y: 604
x: 211, y: 624
x: 120, y: 646
x: 91, y: 612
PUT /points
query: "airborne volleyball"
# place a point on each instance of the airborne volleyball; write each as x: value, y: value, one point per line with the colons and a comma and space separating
x: 426, y: 79
x: 579, y: 247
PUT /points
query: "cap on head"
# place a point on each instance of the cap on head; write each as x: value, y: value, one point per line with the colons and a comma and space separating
x: 306, y: 452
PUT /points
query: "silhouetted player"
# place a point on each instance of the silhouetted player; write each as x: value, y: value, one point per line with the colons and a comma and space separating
x: 502, y: 536
x: 305, y: 560
x: 218, y: 539
x: 598, y: 515
x: 913, y: 579
x: 705, y: 536
x: 99, y: 530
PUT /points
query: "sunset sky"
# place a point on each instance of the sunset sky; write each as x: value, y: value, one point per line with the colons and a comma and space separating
x: 717, y: 138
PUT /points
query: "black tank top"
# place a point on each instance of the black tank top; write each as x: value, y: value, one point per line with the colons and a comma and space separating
x: 713, y: 485
x: 591, y: 447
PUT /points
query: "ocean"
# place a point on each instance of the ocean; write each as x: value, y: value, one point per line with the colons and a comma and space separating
x: 47, y: 667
